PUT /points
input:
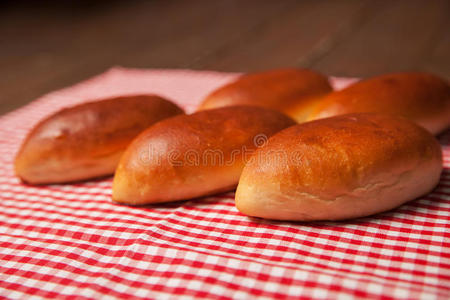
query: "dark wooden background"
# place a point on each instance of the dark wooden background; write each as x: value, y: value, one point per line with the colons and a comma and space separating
x: 46, y: 45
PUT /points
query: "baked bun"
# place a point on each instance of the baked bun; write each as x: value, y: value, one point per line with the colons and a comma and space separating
x: 420, y: 97
x: 193, y: 155
x: 87, y: 140
x: 291, y: 91
x: 339, y: 168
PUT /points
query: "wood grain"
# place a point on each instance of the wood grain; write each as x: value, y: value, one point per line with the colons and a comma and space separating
x: 293, y: 37
x: 51, y: 44
x: 396, y: 38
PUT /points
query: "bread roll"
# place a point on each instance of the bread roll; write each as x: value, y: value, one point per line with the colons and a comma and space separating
x: 193, y: 155
x: 291, y: 91
x: 339, y: 168
x: 87, y: 140
x: 420, y: 97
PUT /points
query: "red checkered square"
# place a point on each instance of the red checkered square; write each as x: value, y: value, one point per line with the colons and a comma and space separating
x: 71, y: 240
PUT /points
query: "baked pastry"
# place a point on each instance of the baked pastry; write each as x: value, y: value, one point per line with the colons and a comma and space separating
x: 421, y: 97
x: 87, y: 140
x: 291, y: 91
x: 339, y: 168
x: 193, y: 155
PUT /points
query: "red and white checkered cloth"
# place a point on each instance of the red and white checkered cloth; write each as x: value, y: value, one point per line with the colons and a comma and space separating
x: 71, y: 240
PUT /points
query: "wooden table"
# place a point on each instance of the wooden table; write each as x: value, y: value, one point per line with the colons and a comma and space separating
x: 46, y: 45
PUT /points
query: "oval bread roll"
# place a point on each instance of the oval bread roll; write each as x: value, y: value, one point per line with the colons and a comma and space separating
x: 291, y: 91
x: 87, y: 140
x: 339, y: 168
x: 193, y: 155
x: 420, y: 97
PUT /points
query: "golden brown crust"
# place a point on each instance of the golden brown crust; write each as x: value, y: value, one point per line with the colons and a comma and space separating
x: 338, y: 168
x: 421, y: 97
x: 193, y: 155
x: 86, y: 140
x: 291, y: 91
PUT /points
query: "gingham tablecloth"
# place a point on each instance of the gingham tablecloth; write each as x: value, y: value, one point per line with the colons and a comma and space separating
x: 62, y: 241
